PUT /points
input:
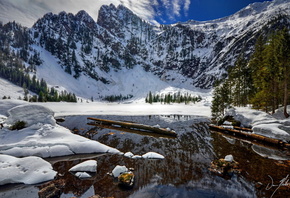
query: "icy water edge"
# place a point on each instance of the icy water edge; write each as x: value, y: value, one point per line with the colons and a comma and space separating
x: 183, y: 173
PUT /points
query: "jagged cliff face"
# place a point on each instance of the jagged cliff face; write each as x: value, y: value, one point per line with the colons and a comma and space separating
x: 196, y: 53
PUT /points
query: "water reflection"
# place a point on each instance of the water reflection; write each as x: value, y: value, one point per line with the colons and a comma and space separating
x: 184, y: 171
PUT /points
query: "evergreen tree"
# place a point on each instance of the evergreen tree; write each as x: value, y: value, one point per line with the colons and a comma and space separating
x: 285, y: 64
x: 150, y: 98
x: 221, y: 100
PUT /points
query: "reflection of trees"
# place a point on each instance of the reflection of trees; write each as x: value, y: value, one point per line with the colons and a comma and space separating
x: 254, y: 167
x: 186, y: 163
x: 186, y: 157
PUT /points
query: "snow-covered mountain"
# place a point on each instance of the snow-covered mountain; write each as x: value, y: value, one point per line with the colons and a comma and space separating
x: 122, y: 54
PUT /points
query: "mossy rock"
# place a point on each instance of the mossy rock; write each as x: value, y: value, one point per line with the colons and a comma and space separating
x: 126, y: 179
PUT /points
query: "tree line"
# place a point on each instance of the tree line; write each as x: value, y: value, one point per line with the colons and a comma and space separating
x: 171, y: 98
x: 261, y: 81
x: 13, y: 70
x: 117, y: 98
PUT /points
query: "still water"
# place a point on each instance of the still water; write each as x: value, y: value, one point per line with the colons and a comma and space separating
x: 183, y: 173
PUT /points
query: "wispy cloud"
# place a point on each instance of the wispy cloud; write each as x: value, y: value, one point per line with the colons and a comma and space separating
x: 175, y: 8
x: 27, y: 12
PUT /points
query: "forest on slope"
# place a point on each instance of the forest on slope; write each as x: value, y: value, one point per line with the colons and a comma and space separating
x: 262, y: 81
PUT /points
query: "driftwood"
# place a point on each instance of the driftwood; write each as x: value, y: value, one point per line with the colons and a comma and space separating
x: 132, y: 126
x: 250, y: 136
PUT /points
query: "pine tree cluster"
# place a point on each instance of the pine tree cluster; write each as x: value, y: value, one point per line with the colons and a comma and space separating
x: 172, y: 98
x: 117, y: 98
x: 262, y: 81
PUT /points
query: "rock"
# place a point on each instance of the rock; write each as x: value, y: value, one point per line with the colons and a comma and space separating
x: 225, y: 167
x: 229, y: 158
x: 126, y: 179
x: 51, y: 189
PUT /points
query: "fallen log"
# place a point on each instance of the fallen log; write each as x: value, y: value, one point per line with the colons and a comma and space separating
x: 250, y: 136
x: 157, y: 135
x: 243, y: 129
x: 133, y: 126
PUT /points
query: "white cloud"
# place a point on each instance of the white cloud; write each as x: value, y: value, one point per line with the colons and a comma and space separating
x: 176, y: 7
x: 186, y: 5
x: 27, y: 12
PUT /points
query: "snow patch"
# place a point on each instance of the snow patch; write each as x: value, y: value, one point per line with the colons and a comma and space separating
x: 153, y: 155
x: 28, y: 170
x: 129, y: 154
x: 83, y: 175
x: 229, y: 158
x: 118, y: 170
x: 87, y: 166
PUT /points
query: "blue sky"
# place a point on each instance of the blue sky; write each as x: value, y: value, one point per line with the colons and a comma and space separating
x: 27, y: 12
x: 202, y: 10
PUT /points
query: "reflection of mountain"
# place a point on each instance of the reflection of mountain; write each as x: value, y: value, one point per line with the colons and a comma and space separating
x: 206, y: 187
x: 183, y: 172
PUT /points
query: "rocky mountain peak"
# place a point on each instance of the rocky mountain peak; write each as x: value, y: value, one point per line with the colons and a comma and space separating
x: 192, y: 53
x: 122, y: 22
x: 84, y: 17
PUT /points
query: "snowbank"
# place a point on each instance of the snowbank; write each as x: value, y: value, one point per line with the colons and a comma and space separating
x: 45, y: 140
x: 5, y: 105
x: 274, y: 126
x: 42, y: 137
x: 28, y: 170
x: 30, y: 114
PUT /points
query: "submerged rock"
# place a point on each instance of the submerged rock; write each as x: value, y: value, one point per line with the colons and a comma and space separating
x: 124, y: 175
x: 225, y: 167
x: 126, y: 179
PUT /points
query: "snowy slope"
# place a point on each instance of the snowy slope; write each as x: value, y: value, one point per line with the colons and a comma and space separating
x: 10, y: 90
x: 126, y: 81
